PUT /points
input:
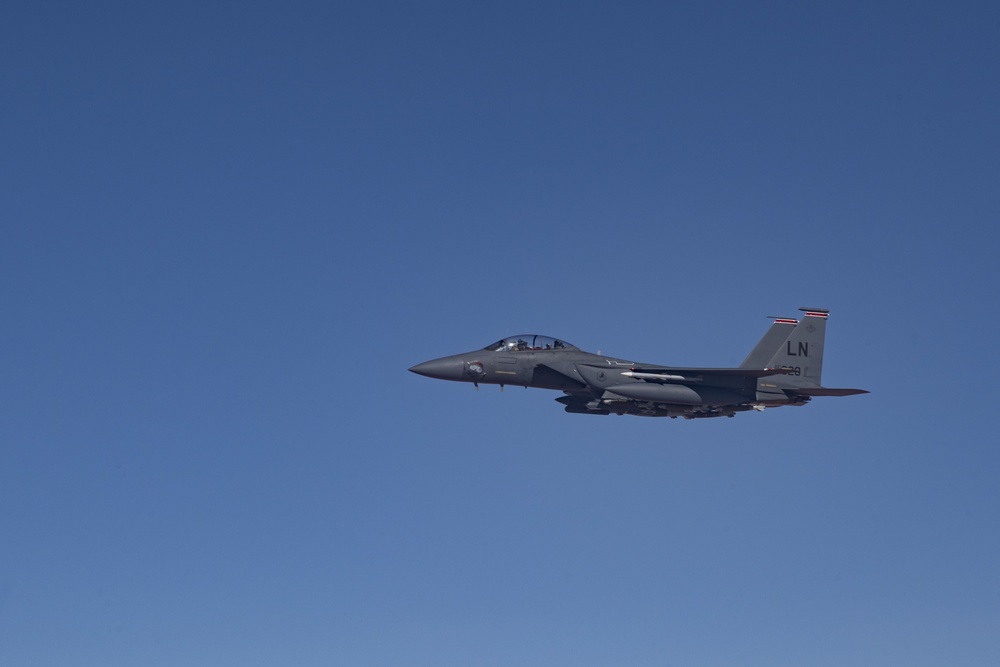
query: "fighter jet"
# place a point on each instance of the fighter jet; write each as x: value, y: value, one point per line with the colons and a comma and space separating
x: 784, y: 368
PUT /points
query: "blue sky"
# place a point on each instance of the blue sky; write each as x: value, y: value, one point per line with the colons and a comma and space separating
x: 229, y: 228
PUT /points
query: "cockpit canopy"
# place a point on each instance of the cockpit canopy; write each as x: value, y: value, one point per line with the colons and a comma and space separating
x: 526, y: 342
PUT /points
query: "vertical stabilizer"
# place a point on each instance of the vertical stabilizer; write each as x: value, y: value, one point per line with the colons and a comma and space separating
x: 801, y: 355
x: 761, y: 355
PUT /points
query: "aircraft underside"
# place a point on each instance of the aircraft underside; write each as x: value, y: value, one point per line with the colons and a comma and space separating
x: 587, y: 405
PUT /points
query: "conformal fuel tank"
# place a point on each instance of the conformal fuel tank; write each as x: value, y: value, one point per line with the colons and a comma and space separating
x: 660, y: 393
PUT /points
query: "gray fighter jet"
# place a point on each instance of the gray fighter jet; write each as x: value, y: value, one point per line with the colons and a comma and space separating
x: 782, y: 369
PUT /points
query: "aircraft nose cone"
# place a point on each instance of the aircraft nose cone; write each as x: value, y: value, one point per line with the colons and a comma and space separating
x: 447, y: 368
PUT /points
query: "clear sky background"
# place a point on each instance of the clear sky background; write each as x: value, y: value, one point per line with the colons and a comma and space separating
x: 229, y: 228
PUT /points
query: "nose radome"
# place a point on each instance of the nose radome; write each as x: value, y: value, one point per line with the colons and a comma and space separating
x: 447, y: 368
x: 424, y: 369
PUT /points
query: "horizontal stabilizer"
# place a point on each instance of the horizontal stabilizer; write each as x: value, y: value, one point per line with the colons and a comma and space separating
x: 827, y: 391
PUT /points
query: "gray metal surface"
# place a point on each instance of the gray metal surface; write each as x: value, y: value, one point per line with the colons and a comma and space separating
x: 784, y: 368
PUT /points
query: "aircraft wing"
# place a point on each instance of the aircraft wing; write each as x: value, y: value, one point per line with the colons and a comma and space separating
x: 669, y: 374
